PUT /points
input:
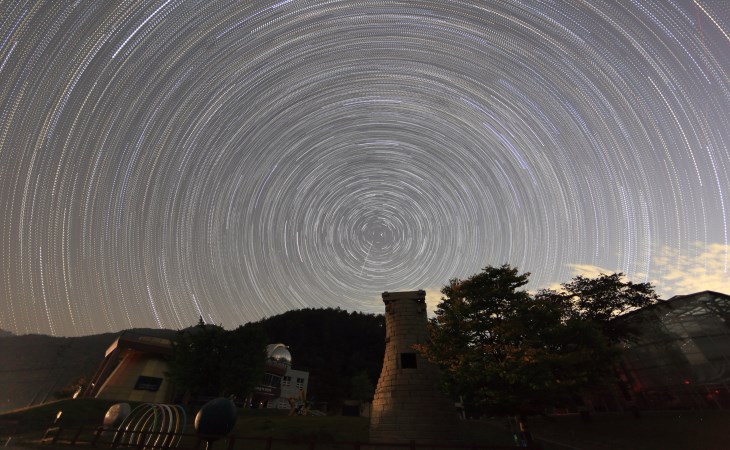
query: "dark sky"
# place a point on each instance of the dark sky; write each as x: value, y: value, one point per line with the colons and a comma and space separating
x: 169, y: 159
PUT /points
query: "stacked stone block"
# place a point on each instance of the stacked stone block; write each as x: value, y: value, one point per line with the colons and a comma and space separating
x: 408, y: 405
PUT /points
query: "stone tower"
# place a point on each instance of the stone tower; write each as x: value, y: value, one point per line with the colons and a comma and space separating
x: 408, y: 405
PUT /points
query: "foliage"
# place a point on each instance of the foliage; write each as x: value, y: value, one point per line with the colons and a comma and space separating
x: 243, y: 367
x: 600, y: 300
x: 362, y: 388
x: 333, y: 345
x: 208, y: 360
x: 504, y: 350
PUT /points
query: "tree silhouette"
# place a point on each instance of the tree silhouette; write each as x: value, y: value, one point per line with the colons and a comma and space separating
x: 506, y: 351
x: 210, y: 361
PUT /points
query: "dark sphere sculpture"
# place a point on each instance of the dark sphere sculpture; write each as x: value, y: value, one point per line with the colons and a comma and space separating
x: 116, y: 415
x: 216, y: 418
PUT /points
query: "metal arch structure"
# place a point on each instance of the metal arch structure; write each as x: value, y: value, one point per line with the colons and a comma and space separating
x: 152, y: 425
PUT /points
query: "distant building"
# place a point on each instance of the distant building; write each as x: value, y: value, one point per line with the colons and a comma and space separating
x: 134, y: 369
x: 282, y: 385
x: 681, y: 360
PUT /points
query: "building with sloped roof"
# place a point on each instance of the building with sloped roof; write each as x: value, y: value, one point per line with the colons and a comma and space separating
x: 134, y: 369
x: 681, y: 359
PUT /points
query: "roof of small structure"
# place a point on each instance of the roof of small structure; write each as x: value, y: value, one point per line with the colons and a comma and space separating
x: 279, y: 353
x: 142, y: 342
x: 675, y: 300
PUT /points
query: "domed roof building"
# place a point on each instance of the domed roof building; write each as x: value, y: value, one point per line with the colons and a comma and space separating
x: 279, y: 353
x: 281, y: 383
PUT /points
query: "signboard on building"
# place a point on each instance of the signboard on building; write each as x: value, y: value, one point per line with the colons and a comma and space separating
x: 148, y: 384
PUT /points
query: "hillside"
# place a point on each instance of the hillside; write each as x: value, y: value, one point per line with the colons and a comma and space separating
x: 33, y: 367
x: 342, y: 351
x: 333, y: 345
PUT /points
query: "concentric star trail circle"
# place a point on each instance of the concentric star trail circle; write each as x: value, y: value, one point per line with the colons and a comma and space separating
x: 164, y: 160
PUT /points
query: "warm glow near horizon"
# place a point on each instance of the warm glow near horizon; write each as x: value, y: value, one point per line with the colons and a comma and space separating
x: 165, y: 160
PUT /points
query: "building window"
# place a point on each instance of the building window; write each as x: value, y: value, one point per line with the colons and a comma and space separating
x: 300, y: 383
x: 272, y: 380
x: 408, y: 361
x: 147, y: 383
x: 286, y: 381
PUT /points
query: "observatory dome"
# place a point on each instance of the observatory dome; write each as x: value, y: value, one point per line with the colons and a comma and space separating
x: 279, y: 353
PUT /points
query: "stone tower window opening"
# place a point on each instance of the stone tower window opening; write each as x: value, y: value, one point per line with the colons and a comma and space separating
x: 408, y: 361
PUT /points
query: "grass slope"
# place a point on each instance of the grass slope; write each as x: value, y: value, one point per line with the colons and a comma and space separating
x: 28, y: 425
x: 681, y: 430
x: 665, y: 430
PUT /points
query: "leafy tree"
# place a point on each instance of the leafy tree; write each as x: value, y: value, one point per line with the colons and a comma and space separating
x: 362, y: 388
x: 210, y: 361
x: 602, y: 299
x: 341, y: 350
x: 194, y: 365
x: 506, y: 351
x: 333, y: 345
x: 242, y: 368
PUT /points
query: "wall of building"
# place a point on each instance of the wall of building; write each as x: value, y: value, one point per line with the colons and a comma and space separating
x: 408, y: 406
x: 293, y: 384
x: 124, y: 383
x: 680, y: 361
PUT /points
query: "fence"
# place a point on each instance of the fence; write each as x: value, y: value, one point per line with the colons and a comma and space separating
x: 151, y: 440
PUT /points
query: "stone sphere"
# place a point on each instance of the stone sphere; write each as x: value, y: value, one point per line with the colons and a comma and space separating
x: 216, y: 418
x: 116, y: 415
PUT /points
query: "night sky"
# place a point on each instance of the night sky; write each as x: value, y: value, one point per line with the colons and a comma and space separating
x: 164, y: 160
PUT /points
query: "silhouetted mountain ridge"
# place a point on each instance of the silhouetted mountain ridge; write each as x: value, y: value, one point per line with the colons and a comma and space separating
x: 34, y: 366
x: 4, y: 333
x: 332, y: 344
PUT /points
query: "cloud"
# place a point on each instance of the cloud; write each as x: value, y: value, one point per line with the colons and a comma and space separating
x: 701, y: 267
x: 433, y: 298
x: 588, y: 270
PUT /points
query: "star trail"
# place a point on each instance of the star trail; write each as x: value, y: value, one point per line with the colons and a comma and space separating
x: 164, y: 160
